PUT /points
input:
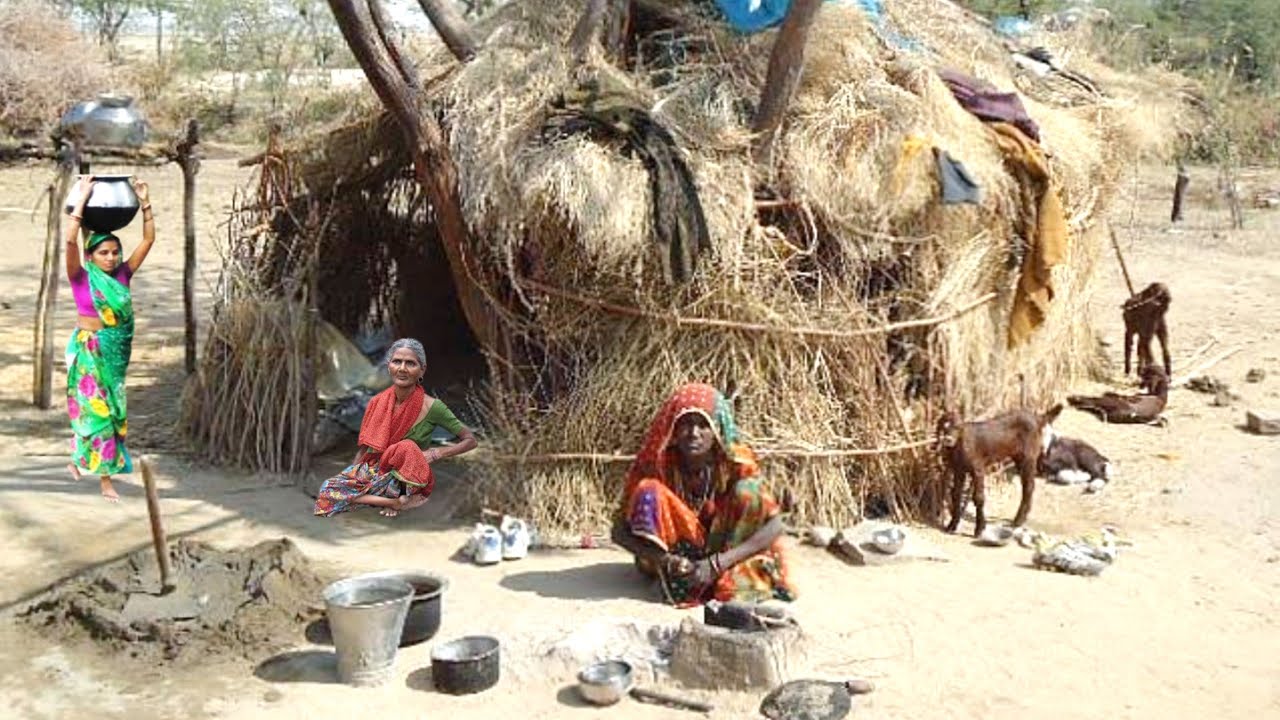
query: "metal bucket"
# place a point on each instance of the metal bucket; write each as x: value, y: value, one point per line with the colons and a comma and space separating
x: 423, y: 620
x: 366, y: 617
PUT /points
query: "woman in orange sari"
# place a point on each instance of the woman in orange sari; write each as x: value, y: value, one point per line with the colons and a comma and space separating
x: 695, y: 512
x: 392, y: 466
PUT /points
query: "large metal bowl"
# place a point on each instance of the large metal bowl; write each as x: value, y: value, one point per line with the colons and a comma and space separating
x: 605, y: 683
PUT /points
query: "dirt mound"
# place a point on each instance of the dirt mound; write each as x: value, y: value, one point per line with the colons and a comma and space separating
x: 251, y: 602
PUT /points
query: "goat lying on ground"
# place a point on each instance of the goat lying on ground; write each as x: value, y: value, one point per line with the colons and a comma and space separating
x: 1129, y: 409
x: 1143, y: 320
x: 1072, y: 461
x: 974, y: 448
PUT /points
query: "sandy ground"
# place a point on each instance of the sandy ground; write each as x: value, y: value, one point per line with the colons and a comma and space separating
x: 1184, y: 624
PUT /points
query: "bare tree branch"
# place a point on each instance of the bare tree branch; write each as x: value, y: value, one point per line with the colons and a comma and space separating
x: 451, y: 27
x: 383, y: 25
x: 786, y: 62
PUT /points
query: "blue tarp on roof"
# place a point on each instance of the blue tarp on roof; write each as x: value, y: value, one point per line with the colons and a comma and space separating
x: 752, y: 16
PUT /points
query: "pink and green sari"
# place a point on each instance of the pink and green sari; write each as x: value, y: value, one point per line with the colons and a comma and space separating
x: 97, y: 362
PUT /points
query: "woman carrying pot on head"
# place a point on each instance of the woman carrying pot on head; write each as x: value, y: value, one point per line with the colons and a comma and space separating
x: 100, y: 347
x: 696, y: 514
x: 392, y: 466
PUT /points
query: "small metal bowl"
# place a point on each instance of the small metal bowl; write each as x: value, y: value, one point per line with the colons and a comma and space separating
x: 888, y: 541
x: 605, y: 683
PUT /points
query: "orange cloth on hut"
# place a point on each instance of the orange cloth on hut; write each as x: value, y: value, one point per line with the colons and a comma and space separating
x: 383, y: 428
x: 1045, y: 230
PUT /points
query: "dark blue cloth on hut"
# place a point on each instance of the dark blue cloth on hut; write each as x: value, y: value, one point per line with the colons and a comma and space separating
x: 984, y: 102
x: 958, y: 186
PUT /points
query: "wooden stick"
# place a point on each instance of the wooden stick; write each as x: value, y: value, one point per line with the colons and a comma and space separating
x: 763, y: 453
x: 653, y: 696
x: 681, y: 320
x: 1124, y: 268
x: 190, y: 163
x: 157, y: 529
x: 42, y: 382
x: 1197, y: 370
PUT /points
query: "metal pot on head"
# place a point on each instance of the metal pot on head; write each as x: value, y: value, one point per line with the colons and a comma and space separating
x: 112, y: 203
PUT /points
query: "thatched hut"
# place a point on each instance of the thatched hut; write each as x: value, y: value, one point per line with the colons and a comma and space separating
x: 624, y: 237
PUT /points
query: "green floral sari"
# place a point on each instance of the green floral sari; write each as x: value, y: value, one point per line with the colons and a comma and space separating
x: 96, y: 367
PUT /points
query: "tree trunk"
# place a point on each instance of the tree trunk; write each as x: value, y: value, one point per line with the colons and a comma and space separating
x: 42, y: 381
x: 786, y: 62
x: 451, y: 28
x: 189, y: 160
x: 433, y: 167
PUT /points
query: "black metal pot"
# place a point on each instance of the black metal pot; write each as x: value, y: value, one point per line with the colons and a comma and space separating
x: 466, y: 665
x: 112, y: 203
x: 423, y: 620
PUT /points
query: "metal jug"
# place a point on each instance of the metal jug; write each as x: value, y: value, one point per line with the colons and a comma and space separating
x: 112, y: 203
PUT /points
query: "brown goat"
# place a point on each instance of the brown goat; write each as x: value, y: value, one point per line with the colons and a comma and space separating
x: 974, y: 448
x: 1129, y: 409
x: 1144, y: 319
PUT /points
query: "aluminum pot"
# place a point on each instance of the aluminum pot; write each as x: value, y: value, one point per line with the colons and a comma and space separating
x: 423, y: 620
x: 466, y: 665
x: 111, y: 120
x: 112, y: 203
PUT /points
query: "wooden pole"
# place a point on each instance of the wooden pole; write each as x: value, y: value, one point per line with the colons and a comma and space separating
x: 42, y: 355
x: 189, y: 161
x: 1179, y: 193
x: 157, y: 528
x: 786, y: 63
x: 587, y: 29
x: 1124, y: 268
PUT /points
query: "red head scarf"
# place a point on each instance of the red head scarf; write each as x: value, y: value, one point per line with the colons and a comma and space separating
x: 656, y: 456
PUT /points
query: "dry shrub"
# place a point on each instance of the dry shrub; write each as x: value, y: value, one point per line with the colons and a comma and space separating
x: 45, y: 67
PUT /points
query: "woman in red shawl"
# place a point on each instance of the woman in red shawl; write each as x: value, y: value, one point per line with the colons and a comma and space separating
x: 394, y: 435
x: 695, y: 512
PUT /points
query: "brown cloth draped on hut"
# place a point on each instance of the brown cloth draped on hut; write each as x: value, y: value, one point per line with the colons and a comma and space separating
x: 1044, y: 227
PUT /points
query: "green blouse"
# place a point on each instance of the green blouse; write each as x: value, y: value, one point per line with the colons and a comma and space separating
x: 439, y: 415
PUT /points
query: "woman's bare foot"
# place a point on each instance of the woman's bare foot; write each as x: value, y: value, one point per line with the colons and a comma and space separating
x: 392, y: 512
x: 412, y: 501
x: 108, y: 492
x: 75, y: 471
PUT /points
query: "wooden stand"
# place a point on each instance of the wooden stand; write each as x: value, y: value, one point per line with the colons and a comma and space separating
x: 157, y: 528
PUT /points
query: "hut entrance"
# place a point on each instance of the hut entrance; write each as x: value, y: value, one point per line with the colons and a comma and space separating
x: 427, y: 308
x: 401, y: 286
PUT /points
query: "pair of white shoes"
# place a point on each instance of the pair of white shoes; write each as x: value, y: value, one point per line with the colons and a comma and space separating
x: 489, y: 545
